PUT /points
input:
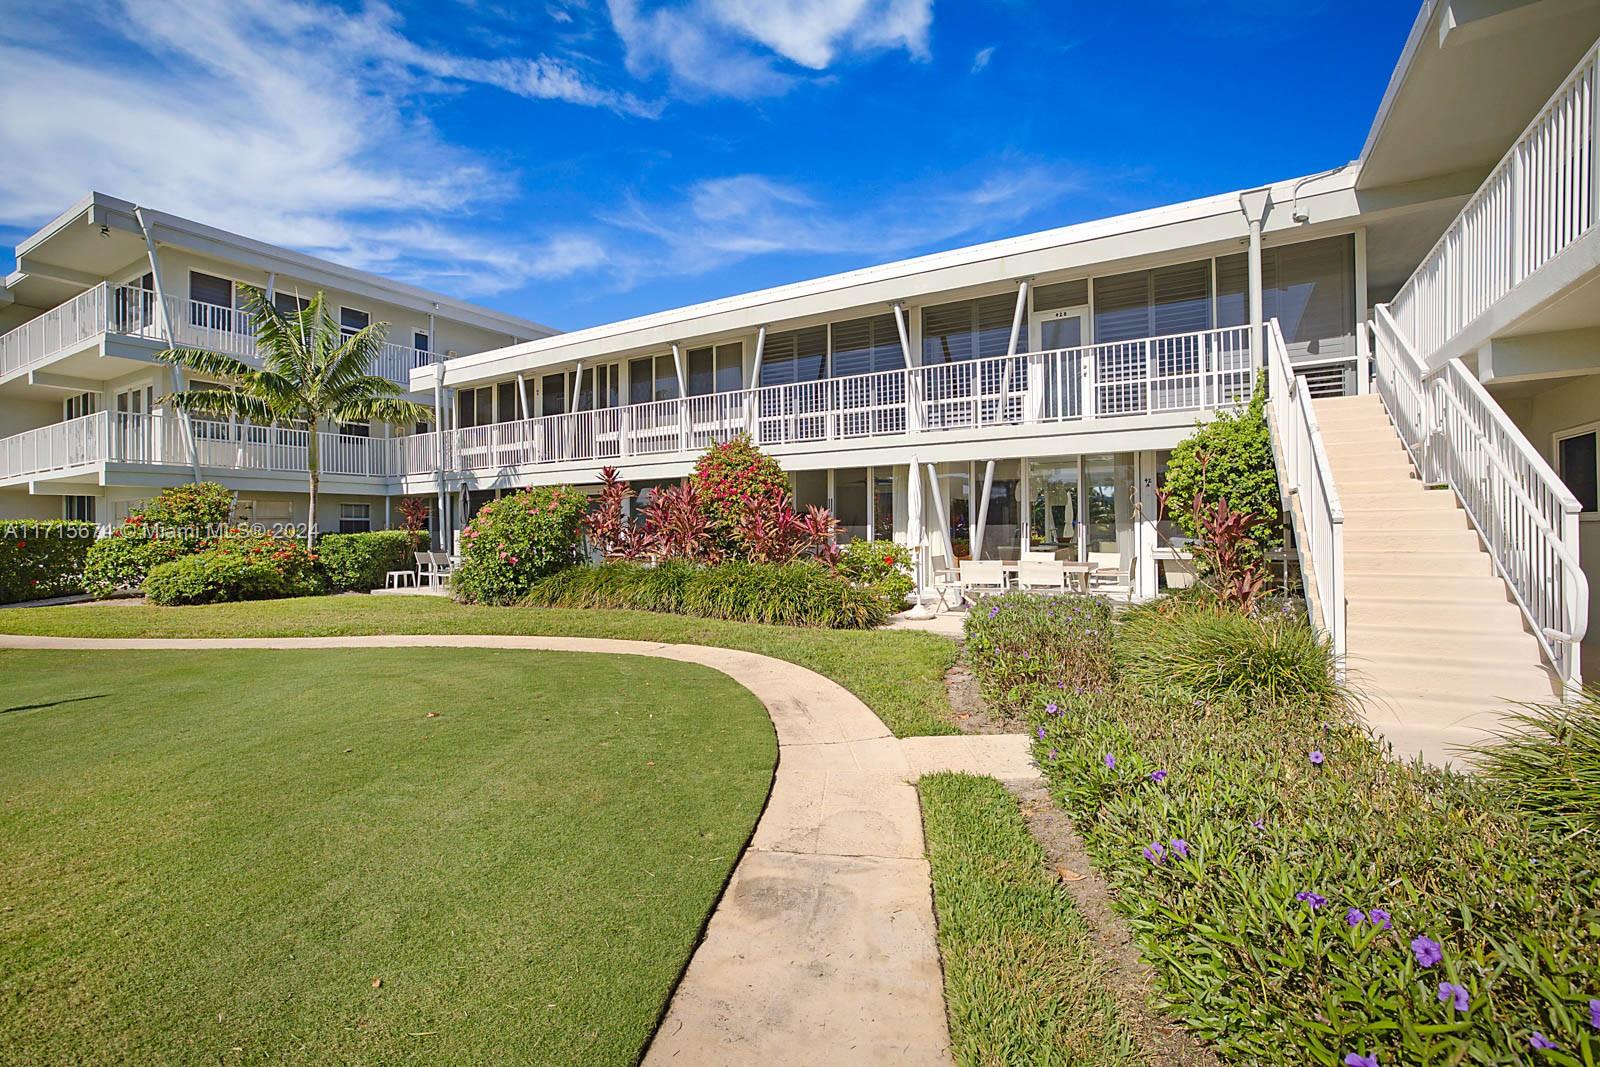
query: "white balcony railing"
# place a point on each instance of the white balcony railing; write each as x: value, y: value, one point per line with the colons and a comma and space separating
x: 1541, y: 198
x: 168, y: 440
x: 1458, y: 436
x: 129, y: 311
x: 1185, y: 372
x: 1316, y: 512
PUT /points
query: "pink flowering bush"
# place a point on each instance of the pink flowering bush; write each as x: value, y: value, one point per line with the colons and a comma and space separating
x: 733, y: 482
x: 42, y: 559
x: 517, y: 540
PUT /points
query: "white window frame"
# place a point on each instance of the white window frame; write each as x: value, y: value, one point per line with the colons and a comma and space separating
x: 347, y: 514
x: 1567, y: 434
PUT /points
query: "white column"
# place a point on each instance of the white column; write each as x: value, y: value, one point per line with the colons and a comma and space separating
x: 1363, y: 313
x: 943, y: 514
x: 983, y: 511
x: 913, y: 382
x: 1146, y: 539
x: 440, y: 453
x: 1254, y: 204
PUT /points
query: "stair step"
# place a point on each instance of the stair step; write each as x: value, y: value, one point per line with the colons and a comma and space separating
x: 1484, y: 645
x: 1443, y: 563
x: 1425, y: 587
x: 1403, y: 520
x: 1442, y: 613
x: 1385, y: 538
x: 1413, y: 496
x: 1382, y: 676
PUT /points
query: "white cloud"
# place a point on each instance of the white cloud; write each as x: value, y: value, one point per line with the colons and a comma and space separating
x: 279, y: 119
x: 738, y: 47
x: 981, y: 60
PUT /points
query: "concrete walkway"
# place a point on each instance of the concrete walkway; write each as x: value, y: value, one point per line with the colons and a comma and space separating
x: 822, y: 948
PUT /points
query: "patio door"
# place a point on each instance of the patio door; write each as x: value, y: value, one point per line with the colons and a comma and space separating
x: 1058, y: 392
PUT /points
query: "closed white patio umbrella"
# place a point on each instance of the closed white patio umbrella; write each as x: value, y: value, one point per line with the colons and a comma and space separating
x: 916, y: 539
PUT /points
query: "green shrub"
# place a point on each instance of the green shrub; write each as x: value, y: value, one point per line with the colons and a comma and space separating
x: 1280, y: 874
x: 1207, y: 652
x: 1229, y: 458
x: 516, y: 540
x: 879, y: 563
x: 789, y: 594
x: 732, y: 480
x: 247, y: 567
x: 362, y: 561
x: 195, y: 511
x: 119, y: 562
x: 1019, y: 640
x: 42, y: 559
x: 1549, y: 765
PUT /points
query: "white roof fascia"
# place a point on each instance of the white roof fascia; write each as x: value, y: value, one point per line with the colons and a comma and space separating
x: 1086, y: 245
x: 193, y: 236
x: 1397, y: 79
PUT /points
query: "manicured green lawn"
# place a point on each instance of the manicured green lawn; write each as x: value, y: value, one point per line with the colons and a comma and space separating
x: 1022, y: 981
x: 269, y: 856
x: 898, y: 673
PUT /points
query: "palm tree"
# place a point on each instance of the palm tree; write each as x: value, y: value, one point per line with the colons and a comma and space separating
x: 310, y: 372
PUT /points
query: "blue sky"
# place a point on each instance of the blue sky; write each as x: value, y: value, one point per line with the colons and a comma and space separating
x: 577, y: 161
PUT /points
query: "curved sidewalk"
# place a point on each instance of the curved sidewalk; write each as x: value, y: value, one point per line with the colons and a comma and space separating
x: 823, y: 944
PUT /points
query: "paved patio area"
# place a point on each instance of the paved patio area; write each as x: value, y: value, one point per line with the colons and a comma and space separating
x: 823, y: 946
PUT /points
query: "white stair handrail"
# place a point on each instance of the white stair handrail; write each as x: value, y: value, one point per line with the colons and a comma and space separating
x: 1315, y: 509
x: 1459, y: 437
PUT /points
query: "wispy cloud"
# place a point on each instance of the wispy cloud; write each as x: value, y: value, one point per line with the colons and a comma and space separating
x: 981, y: 60
x: 282, y: 119
x: 752, y: 48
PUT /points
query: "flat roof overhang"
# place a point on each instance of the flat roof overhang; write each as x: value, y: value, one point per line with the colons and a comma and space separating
x: 1472, y: 75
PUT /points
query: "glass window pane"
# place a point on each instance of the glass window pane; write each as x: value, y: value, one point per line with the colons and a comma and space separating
x: 701, y: 371
x: 507, y: 411
x: 810, y: 487
x: 553, y: 390
x: 730, y: 367
x: 208, y: 289
x: 1578, y: 470
x: 850, y: 502
x: 795, y: 356
x: 882, y: 504
x: 666, y: 378
x: 641, y: 380
x: 1053, y: 511
x: 352, y: 319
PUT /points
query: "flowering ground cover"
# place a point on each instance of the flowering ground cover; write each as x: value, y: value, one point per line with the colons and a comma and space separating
x: 360, y: 856
x: 1302, y: 898
x: 899, y: 674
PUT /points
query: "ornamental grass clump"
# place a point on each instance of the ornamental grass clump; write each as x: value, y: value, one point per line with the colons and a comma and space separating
x: 1018, y: 640
x: 1301, y: 898
x: 1549, y: 765
x: 1202, y: 649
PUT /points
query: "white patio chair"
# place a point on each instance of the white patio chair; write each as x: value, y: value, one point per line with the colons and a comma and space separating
x: 1111, y: 574
x: 981, y: 578
x: 424, y: 567
x: 443, y: 564
x: 1042, y: 576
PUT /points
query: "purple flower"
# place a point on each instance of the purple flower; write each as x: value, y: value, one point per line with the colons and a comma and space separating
x: 1379, y: 917
x: 1427, y: 951
x: 1051, y: 709
x: 1450, y: 993
x: 1356, y: 1059
x: 1053, y: 754
x: 1316, y: 900
x: 1180, y: 847
x: 1355, y: 917
x: 1158, y: 776
x: 1154, y: 852
x: 1041, y: 733
x: 1259, y: 824
x: 1594, y: 1014
x: 994, y: 611
x: 1317, y: 757
x: 1109, y: 760
x: 1538, y: 1040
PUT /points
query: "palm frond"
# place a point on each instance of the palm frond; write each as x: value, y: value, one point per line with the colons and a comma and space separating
x: 211, y: 364
x: 355, y: 357
x: 277, y: 335
x: 392, y: 409
x: 223, y: 403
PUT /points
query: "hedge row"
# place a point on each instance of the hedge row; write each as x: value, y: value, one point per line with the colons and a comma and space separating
x: 42, y: 559
x: 790, y: 594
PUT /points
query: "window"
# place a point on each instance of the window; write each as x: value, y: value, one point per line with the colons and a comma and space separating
x: 290, y: 304
x: 652, y: 378
x: 795, y: 356
x: 355, y: 518
x: 969, y: 329
x: 79, y: 406
x: 1059, y: 295
x: 474, y: 407
x: 1576, y: 461
x: 1153, y: 303
x: 608, y: 378
x: 355, y: 429
x: 866, y: 346
x: 352, y: 321
x: 509, y: 401
x: 1309, y: 287
x: 420, y: 341
x: 77, y: 508
x: 553, y: 390
x: 210, y: 302
x: 715, y: 370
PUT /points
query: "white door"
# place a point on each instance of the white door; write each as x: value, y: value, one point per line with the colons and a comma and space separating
x: 1055, y: 335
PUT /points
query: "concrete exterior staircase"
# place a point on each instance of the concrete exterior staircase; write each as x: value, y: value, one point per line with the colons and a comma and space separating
x: 1435, y: 644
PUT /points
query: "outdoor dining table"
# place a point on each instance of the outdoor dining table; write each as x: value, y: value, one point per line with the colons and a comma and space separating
x: 1078, y: 572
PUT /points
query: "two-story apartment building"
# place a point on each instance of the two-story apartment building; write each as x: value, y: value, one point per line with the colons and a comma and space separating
x: 1429, y: 314
x: 104, y: 287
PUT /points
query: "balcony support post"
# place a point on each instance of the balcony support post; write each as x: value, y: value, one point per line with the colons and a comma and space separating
x: 983, y: 509
x: 439, y: 443
x: 944, y: 516
x: 162, y: 318
x: 1254, y: 203
x: 913, y: 383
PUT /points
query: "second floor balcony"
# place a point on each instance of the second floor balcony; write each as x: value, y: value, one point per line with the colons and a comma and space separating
x: 129, y: 312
